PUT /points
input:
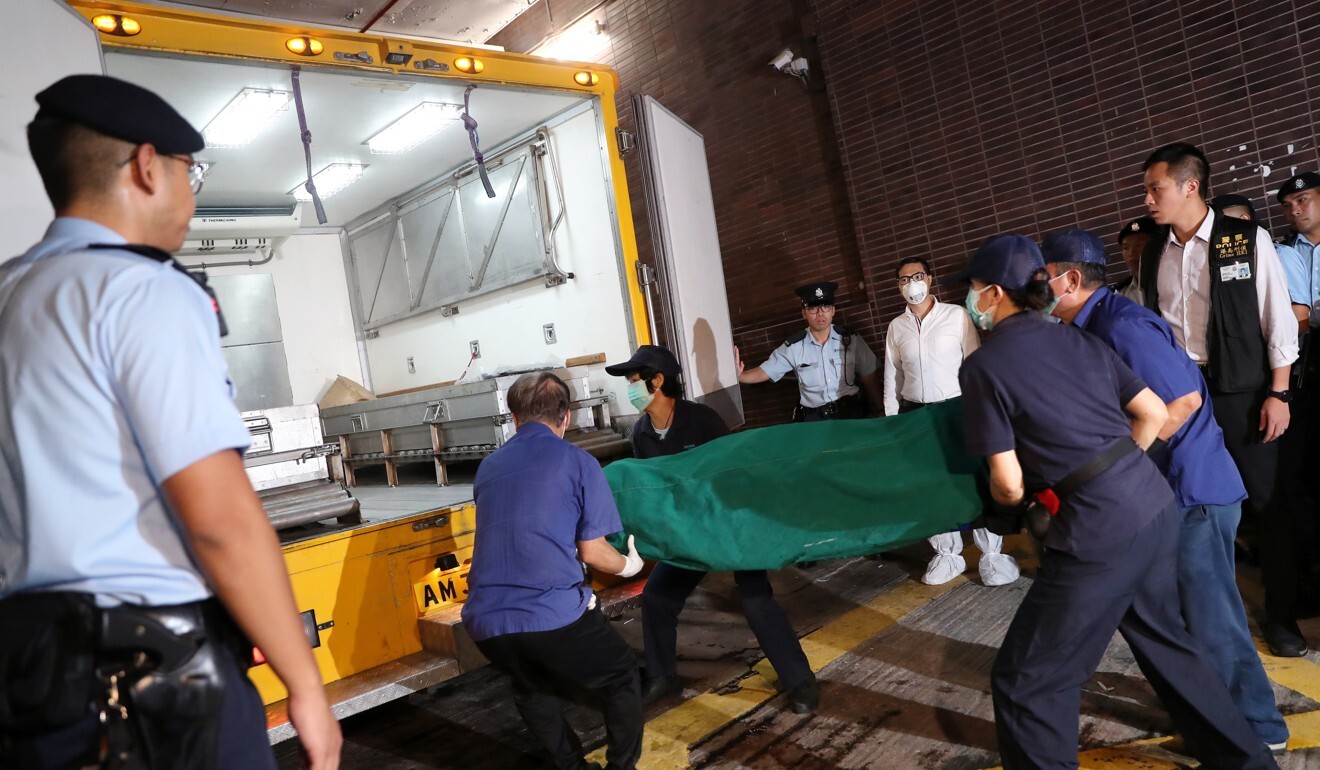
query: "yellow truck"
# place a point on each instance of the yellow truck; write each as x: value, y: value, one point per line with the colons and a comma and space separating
x: 419, y: 271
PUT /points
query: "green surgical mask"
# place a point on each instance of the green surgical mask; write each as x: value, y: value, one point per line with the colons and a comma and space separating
x: 983, y: 321
x: 637, y: 395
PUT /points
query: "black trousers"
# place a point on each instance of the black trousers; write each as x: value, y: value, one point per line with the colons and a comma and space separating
x: 584, y: 657
x: 1258, y: 462
x: 1060, y: 633
x: 846, y: 408
x: 668, y: 588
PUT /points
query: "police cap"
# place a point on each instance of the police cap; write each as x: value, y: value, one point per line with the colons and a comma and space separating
x: 1074, y: 245
x: 1142, y: 226
x: 120, y: 109
x: 1009, y: 260
x: 1307, y: 180
x: 817, y: 294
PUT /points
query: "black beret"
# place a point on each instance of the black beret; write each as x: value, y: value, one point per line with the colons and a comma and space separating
x: 1307, y: 180
x: 120, y: 109
x: 1144, y: 225
x: 816, y: 294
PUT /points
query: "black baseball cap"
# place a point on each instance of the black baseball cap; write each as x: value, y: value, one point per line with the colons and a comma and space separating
x: 648, y: 357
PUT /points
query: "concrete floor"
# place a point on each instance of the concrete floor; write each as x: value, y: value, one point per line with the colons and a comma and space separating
x: 905, y: 684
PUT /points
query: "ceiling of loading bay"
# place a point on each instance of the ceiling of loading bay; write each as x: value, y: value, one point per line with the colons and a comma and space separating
x: 467, y: 21
x: 343, y: 111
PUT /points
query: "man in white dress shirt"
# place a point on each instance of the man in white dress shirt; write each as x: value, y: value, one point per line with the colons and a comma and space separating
x: 924, y: 349
x: 1219, y: 283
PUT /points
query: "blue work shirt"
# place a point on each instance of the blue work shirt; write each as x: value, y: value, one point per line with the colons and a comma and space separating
x: 1302, y: 274
x: 822, y: 375
x: 536, y: 497
x: 112, y: 381
x: 1055, y: 395
x: 1198, y: 467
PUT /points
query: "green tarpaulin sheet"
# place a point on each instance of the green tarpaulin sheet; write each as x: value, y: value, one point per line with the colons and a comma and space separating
x: 770, y: 497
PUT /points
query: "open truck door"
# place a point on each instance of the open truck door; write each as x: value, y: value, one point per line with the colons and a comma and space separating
x: 67, y: 45
x: 687, y: 253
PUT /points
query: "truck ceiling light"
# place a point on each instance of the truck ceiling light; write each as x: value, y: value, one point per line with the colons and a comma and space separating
x: 416, y: 126
x: 304, y: 46
x: 114, y: 24
x: 469, y: 64
x: 585, y: 78
x: 244, y: 117
x: 331, y: 180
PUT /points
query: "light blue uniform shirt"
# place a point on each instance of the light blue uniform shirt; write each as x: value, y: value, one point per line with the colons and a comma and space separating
x: 1303, y: 275
x: 820, y: 370
x: 112, y: 381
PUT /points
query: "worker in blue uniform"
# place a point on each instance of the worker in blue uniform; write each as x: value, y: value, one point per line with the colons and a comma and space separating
x: 543, y: 510
x: 1053, y: 408
x: 137, y: 566
x: 831, y: 361
x: 671, y: 424
x: 1190, y: 451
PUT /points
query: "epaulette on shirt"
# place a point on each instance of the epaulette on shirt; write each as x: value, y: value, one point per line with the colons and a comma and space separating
x: 844, y: 330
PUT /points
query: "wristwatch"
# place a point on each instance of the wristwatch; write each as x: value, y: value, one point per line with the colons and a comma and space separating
x: 1283, y: 395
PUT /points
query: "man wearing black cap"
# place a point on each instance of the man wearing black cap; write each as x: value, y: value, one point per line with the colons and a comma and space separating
x: 1132, y: 240
x: 1053, y: 408
x: 1218, y: 283
x: 671, y: 424
x: 136, y: 562
x: 829, y: 360
x: 1189, y: 450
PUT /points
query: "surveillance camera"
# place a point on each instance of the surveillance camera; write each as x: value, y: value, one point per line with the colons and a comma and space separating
x: 782, y: 59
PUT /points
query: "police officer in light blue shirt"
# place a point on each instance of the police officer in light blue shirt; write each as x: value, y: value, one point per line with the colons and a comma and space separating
x: 1300, y: 198
x: 124, y: 506
x: 832, y: 362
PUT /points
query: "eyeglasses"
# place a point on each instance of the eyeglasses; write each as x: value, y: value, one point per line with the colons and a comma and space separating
x: 904, y: 280
x: 196, y: 168
x: 820, y: 309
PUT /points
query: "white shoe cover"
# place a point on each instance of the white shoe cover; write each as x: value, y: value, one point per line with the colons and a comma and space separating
x: 996, y: 567
x: 948, y: 562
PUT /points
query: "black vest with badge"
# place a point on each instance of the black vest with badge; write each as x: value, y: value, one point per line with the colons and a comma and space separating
x: 1234, y: 342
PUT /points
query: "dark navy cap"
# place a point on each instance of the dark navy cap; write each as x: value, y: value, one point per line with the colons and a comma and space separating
x: 120, y: 109
x: 1073, y: 245
x: 1142, y: 226
x: 648, y: 357
x: 817, y: 294
x: 1009, y: 260
x: 1307, y: 180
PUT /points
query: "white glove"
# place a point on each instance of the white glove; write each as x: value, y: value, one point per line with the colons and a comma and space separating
x: 632, y: 562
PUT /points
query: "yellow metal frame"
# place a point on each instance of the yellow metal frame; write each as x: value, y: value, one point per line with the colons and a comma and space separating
x: 172, y: 31
x: 362, y: 579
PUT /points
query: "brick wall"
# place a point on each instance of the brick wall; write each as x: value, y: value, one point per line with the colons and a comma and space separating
x: 957, y: 120
x: 776, y: 176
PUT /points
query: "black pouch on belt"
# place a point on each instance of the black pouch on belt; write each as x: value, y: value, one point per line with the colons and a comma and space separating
x: 47, y: 661
x: 174, y: 700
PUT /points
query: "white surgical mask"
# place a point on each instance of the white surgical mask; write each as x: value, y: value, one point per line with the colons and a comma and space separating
x: 637, y: 395
x: 915, y: 292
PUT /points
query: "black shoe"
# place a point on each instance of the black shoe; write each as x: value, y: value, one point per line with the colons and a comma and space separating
x: 659, y: 688
x: 804, y: 698
x: 1285, y: 640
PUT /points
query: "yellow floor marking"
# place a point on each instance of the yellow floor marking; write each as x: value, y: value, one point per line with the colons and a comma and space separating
x: 670, y: 735
x: 1297, y: 674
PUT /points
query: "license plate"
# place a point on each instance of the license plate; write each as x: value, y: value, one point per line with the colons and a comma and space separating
x: 438, y: 589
